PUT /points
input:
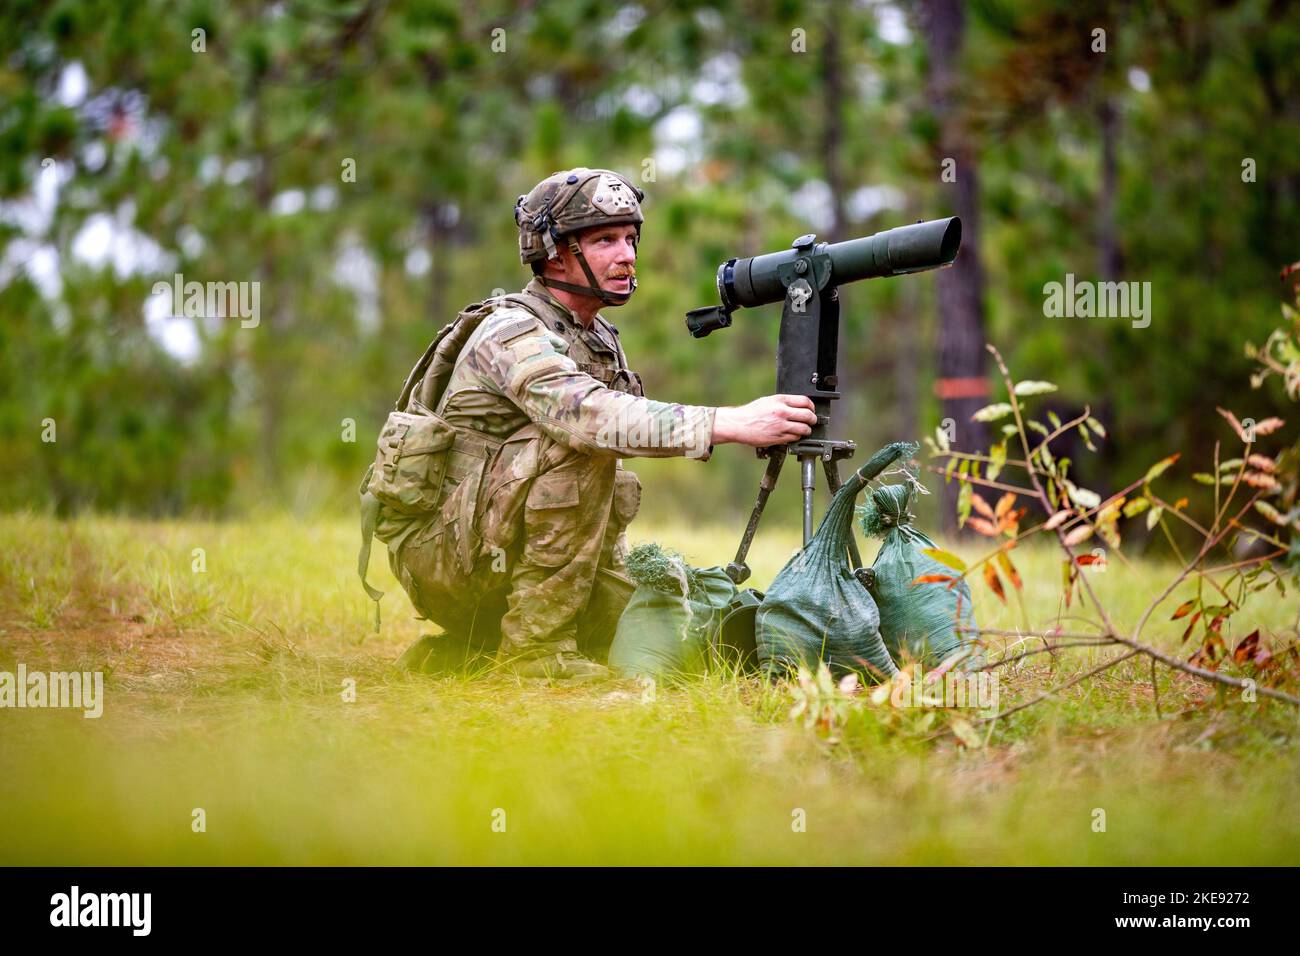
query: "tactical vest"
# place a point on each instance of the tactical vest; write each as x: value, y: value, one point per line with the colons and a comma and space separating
x: 422, y: 436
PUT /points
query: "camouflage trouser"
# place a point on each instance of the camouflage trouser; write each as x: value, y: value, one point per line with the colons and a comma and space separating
x: 526, y: 552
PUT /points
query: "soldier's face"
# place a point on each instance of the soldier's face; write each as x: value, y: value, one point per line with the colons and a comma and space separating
x: 611, y: 253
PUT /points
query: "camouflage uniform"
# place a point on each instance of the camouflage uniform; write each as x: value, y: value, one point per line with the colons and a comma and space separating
x: 527, y: 544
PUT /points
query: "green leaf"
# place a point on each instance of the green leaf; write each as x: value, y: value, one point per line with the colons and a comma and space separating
x: 1136, y: 507
x: 964, y: 503
x: 1008, y: 430
x: 1095, y: 426
x: 1034, y: 388
x: 1082, y: 496
x: 946, y: 557
x: 999, y: 455
x: 1052, y: 417
x: 963, y: 731
x: 1153, y: 517
x: 1269, y: 512
x: 1038, y: 427
x: 991, y: 413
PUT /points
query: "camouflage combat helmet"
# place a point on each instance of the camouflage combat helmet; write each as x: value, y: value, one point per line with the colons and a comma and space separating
x: 571, y: 200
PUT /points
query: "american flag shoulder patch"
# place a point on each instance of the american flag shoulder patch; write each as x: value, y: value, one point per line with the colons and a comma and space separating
x: 513, y: 330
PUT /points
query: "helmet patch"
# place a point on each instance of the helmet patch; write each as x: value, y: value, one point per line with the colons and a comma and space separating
x: 613, y: 197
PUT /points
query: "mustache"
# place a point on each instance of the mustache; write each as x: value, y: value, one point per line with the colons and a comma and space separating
x: 621, y: 274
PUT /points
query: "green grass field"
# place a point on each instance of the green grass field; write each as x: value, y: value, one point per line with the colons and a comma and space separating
x: 224, y: 691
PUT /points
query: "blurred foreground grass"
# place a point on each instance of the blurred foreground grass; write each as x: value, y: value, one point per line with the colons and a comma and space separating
x: 224, y: 692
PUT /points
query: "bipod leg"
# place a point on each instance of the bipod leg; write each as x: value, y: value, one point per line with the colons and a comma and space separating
x: 738, y: 570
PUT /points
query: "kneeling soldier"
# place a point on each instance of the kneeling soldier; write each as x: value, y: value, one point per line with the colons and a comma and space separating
x: 499, y: 486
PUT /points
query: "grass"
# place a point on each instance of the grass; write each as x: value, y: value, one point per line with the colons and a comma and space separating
x: 225, y: 692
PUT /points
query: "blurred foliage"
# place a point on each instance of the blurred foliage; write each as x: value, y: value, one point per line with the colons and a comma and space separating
x: 228, y: 165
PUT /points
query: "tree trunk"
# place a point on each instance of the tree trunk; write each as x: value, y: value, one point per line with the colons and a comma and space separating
x: 963, y: 384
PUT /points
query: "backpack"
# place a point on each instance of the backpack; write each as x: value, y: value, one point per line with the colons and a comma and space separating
x: 413, y: 446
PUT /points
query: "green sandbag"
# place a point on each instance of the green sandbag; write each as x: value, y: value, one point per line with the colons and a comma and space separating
x: 671, y: 617
x: 918, y: 621
x: 816, y: 609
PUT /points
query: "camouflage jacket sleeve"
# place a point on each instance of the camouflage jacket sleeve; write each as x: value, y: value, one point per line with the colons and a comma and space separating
x: 528, y: 364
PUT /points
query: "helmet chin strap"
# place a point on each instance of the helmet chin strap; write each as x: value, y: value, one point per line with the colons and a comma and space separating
x: 594, y: 290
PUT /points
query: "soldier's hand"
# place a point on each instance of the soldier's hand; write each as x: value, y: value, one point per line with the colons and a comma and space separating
x: 771, y: 420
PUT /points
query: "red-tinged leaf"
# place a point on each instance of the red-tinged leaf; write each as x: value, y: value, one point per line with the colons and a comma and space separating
x: 931, y: 579
x: 1262, y: 462
x: 1190, y: 624
x: 1010, y: 522
x: 1159, y: 467
x: 1246, y: 648
x: 1268, y: 426
x: 1078, y: 535
x: 1258, y: 479
x: 983, y: 527
x: 981, y: 505
x: 1204, y: 657
x: 1010, y: 571
x: 1184, y: 609
x: 994, y: 582
x: 1084, y: 560
x: 1004, y: 503
x: 1058, y: 519
x: 1180, y: 504
x: 1232, y: 420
